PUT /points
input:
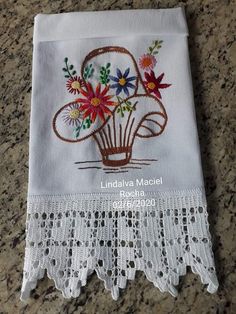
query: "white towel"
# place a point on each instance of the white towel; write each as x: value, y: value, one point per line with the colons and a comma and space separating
x: 115, y: 177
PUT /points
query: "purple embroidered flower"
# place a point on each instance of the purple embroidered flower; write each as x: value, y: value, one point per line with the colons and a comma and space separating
x: 122, y: 81
x: 72, y: 115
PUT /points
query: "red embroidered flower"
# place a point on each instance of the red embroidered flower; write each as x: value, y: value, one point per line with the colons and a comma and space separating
x: 74, y: 84
x: 95, y: 102
x: 153, y: 84
x: 147, y: 62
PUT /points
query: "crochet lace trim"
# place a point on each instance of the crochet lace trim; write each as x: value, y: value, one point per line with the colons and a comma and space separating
x: 70, y: 237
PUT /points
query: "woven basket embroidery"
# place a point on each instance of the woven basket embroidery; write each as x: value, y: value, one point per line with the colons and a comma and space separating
x: 118, y: 107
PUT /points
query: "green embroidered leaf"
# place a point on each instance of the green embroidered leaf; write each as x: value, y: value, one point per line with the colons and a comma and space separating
x: 124, y: 106
x: 88, y: 122
x: 77, y: 130
x: 104, y: 74
x: 88, y: 71
x: 154, y: 48
x: 85, y: 124
x: 68, y: 68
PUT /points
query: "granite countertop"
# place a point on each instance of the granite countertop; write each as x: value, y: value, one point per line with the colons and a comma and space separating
x: 213, y: 59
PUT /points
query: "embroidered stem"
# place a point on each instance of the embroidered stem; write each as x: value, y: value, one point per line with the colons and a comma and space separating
x: 77, y: 130
x: 104, y: 74
x: 154, y: 48
x: 88, y: 71
x: 85, y: 124
x: 120, y: 109
x: 126, y: 107
x: 68, y: 68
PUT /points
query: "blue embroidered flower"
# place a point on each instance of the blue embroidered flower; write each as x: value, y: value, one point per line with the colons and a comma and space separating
x: 122, y: 81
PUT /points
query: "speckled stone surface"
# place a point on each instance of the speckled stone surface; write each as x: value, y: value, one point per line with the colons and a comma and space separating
x: 213, y: 59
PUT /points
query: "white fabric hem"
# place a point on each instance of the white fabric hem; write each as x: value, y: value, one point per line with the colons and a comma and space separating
x: 78, y: 25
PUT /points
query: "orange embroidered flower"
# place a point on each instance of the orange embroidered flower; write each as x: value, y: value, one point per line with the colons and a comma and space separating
x: 95, y: 102
x: 147, y: 62
x: 153, y: 84
x: 74, y: 84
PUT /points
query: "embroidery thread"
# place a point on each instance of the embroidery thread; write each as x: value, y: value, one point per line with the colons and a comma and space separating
x: 113, y: 123
x: 74, y: 83
x: 122, y: 81
x: 88, y: 72
x: 104, y: 74
x: 153, y: 83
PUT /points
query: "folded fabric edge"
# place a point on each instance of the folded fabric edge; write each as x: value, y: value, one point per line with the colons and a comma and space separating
x: 72, y: 239
x: 87, y: 24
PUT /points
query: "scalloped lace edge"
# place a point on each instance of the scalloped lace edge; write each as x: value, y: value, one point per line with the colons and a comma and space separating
x: 72, y: 238
x: 207, y: 278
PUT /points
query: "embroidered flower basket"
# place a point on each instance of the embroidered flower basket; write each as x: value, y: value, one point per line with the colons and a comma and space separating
x: 136, y: 113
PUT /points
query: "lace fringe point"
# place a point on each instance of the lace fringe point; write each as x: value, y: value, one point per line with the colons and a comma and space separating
x: 70, y: 238
x: 210, y: 279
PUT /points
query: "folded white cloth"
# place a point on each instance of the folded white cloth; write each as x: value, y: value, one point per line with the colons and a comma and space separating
x: 115, y: 178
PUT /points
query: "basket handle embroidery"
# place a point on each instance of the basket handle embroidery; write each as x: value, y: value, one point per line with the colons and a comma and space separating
x: 118, y: 139
x: 96, y: 52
